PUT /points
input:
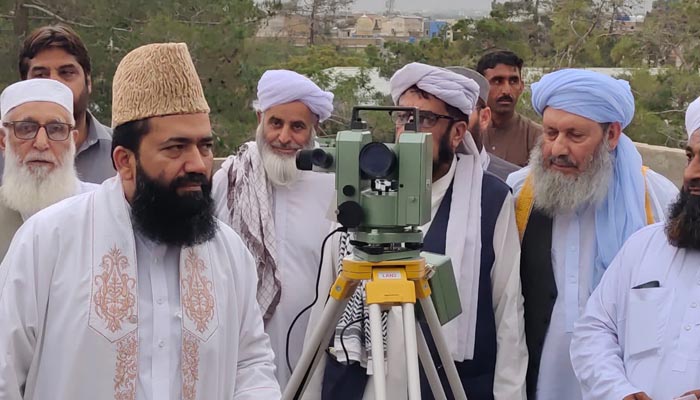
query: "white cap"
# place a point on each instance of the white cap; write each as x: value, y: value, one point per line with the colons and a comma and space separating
x: 692, y: 117
x: 31, y: 90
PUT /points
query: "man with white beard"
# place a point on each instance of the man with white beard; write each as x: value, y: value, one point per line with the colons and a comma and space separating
x: 38, y: 142
x: 279, y: 211
x: 583, y: 194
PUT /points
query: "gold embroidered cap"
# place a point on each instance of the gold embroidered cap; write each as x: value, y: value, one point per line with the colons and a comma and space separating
x: 155, y: 80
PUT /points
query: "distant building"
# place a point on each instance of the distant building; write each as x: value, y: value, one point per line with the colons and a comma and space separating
x: 285, y: 25
x: 438, y: 29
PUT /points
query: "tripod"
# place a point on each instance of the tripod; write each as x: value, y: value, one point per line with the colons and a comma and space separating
x: 390, y: 283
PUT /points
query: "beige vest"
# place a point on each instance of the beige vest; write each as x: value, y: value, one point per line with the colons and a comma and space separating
x: 10, y: 221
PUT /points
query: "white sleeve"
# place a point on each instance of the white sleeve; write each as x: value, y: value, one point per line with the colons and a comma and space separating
x: 255, y: 378
x: 20, y: 318
x: 219, y: 191
x: 516, y: 180
x: 511, y: 356
x: 662, y: 193
x: 596, y: 354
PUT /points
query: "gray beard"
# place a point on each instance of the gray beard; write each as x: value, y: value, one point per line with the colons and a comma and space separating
x: 29, y: 191
x: 556, y: 192
x: 281, y: 170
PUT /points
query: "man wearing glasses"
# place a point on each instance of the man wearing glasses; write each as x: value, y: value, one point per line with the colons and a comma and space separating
x: 38, y: 140
x: 473, y: 222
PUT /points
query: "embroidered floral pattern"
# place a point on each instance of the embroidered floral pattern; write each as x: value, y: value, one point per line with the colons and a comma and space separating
x: 113, y: 297
x: 190, y: 366
x: 197, y: 298
x: 125, y: 374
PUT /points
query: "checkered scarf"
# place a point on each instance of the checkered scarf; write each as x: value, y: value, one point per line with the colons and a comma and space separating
x: 250, y: 201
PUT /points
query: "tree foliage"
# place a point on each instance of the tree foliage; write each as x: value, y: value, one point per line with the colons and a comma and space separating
x: 548, y: 34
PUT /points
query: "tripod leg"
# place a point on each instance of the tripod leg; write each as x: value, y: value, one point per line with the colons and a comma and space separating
x: 409, y: 331
x: 444, y: 352
x: 376, y: 333
x: 428, y: 366
x: 312, y: 352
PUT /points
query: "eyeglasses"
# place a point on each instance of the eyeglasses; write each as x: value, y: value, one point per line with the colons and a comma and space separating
x: 27, y: 130
x: 428, y: 119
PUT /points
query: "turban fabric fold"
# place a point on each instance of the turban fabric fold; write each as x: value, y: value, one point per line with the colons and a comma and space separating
x: 282, y: 86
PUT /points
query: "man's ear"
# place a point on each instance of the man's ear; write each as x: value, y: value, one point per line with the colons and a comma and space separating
x: 125, y: 163
x: 485, y: 118
x: 3, y: 137
x: 88, y: 83
x: 459, y: 129
x: 614, y: 132
x: 259, y: 115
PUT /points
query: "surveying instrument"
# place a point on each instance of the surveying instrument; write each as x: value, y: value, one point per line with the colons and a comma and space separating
x: 383, y: 197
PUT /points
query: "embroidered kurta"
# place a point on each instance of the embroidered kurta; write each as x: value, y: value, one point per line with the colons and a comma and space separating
x: 301, y: 223
x: 646, y: 339
x: 572, y: 254
x: 73, y: 311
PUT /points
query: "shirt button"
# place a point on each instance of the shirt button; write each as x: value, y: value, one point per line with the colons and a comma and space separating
x: 694, y: 305
x: 687, y: 327
x: 161, y: 344
x: 161, y: 300
x: 493, y: 147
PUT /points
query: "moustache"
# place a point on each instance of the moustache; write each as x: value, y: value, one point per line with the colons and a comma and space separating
x: 562, y: 161
x: 289, y: 146
x: 505, y: 98
x: 39, y: 157
x: 188, y: 179
x: 692, y: 185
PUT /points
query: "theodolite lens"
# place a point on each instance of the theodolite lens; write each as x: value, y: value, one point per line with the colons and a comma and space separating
x: 321, y: 159
x: 377, y: 161
x: 304, y: 160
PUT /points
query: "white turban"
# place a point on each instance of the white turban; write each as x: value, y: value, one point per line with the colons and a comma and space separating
x: 47, y: 90
x: 281, y: 87
x: 692, y: 117
x: 452, y: 88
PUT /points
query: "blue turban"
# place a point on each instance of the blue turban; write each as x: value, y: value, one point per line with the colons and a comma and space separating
x: 282, y: 86
x: 602, y: 99
x: 586, y: 93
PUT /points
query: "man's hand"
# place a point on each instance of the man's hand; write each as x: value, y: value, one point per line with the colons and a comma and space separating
x: 637, y: 396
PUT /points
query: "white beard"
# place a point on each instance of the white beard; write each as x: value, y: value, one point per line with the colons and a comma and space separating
x: 281, y: 170
x: 28, y: 191
x: 556, y: 192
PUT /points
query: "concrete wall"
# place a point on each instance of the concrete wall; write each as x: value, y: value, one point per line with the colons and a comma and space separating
x: 664, y: 160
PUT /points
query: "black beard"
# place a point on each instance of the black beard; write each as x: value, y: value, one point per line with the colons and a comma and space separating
x: 683, y: 226
x: 445, y: 153
x: 166, y: 217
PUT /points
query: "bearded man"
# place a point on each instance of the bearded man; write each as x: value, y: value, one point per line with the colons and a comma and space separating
x: 135, y: 290
x: 472, y: 223
x: 638, y: 339
x: 38, y: 141
x: 583, y: 194
x: 280, y: 211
